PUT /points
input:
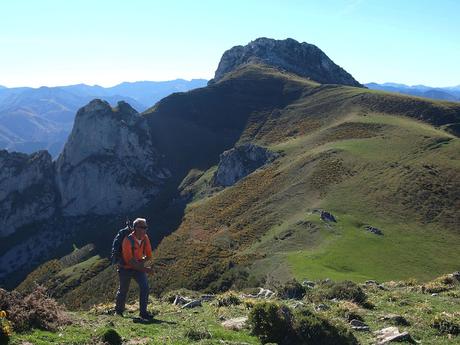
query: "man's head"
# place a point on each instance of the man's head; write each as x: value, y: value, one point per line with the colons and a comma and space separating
x: 140, y: 227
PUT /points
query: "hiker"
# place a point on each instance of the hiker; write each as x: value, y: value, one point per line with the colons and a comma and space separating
x: 135, y: 250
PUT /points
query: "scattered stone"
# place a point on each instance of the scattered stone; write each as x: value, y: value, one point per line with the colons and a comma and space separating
x: 434, y: 294
x: 358, y: 325
x: 263, y: 293
x: 374, y: 230
x: 236, y: 324
x: 455, y: 275
x: 322, y: 307
x: 297, y: 304
x: 328, y: 217
x: 180, y: 300
x: 371, y: 282
x: 308, y: 284
x: 193, y: 304
x: 395, y: 319
x: 390, y: 334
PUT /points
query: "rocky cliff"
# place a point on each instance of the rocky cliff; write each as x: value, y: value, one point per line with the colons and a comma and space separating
x: 239, y: 162
x: 27, y: 192
x: 108, y: 164
x: 303, y: 59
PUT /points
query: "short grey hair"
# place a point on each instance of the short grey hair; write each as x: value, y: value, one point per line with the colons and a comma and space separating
x: 139, y: 220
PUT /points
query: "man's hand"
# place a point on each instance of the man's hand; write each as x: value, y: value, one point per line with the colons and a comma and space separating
x: 148, y: 270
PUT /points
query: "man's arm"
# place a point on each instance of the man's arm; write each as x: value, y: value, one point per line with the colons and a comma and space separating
x: 139, y: 266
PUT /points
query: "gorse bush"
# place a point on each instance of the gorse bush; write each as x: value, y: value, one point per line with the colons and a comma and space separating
x: 447, y: 323
x: 277, y: 323
x: 292, y: 289
x: 271, y: 322
x: 35, y: 310
x: 228, y: 299
x: 345, y: 290
x: 310, y: 329
x: 5, y: 329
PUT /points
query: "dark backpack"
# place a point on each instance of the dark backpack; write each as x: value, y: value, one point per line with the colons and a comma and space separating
x: 116, y: 256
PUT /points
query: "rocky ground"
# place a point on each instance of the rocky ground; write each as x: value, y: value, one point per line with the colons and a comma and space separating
x: 369, y: 313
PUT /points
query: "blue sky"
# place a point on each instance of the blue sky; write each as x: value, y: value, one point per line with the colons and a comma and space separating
x: 60, y: 42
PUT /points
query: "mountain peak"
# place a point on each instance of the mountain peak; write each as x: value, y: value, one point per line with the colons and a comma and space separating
x: 96, y: 105
x: 303, y: 59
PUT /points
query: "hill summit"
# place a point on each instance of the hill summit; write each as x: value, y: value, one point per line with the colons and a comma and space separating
x: 303, y: 59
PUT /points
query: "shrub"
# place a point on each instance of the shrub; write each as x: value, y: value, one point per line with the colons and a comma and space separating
x: 228, y: 300
x: 110, y: 336
x: 441, y: 284
x: 197, y: 334
x: 271, y: 322
x: 35, y: 310
x: 5, y: 329
x: 345, y: 290
x: 349, y: 311
x: 275, y: 323
x: 292, y: 289
x: 447, y: 323
x: 310, y: 329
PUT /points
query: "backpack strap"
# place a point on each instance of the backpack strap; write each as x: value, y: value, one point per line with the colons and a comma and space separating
x: 142, y: 245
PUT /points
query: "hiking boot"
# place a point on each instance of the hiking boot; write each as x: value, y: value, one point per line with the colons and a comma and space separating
x: 146, y: 316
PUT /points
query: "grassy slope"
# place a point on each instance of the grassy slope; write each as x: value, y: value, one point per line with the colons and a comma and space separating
x: 344, y: 149
x: 343, y: 154
x: 172, y: 324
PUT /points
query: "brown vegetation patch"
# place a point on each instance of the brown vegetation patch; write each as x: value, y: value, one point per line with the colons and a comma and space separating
x: 352, y: 130
x: 35, y: 310
x: 329, y: 170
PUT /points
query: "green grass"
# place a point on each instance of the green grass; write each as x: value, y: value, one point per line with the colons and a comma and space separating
x: 172, y: 323
x: 170, y: 327
x: 405, y: 250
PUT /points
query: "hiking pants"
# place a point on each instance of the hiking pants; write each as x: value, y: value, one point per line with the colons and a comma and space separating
x: 125, y: 276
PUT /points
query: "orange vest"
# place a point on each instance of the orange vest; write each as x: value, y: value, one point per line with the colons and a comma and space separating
x: 132, y: 249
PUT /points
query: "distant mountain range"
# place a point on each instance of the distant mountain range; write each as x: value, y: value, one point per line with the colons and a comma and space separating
x: 444, y: 93
x: 32, y: 119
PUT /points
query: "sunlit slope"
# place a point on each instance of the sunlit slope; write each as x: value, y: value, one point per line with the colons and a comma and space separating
x: 366, y: 157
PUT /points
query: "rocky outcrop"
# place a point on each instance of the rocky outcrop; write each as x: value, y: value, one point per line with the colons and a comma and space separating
x: 303, y: 59
x: 239, y: 162
x: 27, y: 192
x: 108, y: 164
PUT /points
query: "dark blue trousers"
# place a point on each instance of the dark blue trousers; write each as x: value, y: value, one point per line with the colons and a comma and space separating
x: 125, y: 276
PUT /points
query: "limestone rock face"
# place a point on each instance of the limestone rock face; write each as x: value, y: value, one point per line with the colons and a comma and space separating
x: 303, y: 59
x: 27, y: 192
x: 108, y: 164
x: 239, y: 162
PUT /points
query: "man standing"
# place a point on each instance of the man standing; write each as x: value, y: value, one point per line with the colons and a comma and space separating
x: 136, y: 249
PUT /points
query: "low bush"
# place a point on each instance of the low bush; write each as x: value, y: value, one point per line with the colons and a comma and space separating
x: 310, y: 329
x: 110, y: 336
x: 292, y: 290
x: 349, y: 311
x: 35, y: 310
x: 277, y: 323
x: 197, y: 334
x: 447, y: 323
x: 5, y: 329
x: 345, y: 290
x: 272, y: 323
x: 228, y: 299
